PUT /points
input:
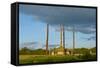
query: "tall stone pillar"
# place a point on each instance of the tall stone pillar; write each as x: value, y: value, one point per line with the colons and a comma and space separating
x: 63, y: 31
x: 73, y: 40
x: 47, y: 37
x: 61, y: 50
x: 61, y: 36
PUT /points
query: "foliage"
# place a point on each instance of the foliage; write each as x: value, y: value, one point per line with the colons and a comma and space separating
x: 26, y: 51
x: 27, y: 56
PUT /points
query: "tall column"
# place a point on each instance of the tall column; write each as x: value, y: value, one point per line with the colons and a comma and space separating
x: 63, y: 31
x: 47, y: 34
x: 64, y: 41
x: 73, y: 40
x: 61, y: 37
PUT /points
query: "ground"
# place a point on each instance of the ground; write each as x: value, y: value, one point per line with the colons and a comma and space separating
x: 35, y: 59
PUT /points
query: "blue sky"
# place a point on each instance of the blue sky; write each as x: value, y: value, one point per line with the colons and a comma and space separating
x: 33, y: 20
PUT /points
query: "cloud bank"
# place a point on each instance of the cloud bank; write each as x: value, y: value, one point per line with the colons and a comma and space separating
x: 83, y: 19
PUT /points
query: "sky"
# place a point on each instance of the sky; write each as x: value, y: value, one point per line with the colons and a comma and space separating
x: 34, y: 18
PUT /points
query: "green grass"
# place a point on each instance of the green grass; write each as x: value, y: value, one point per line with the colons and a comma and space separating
x: 29, y: 59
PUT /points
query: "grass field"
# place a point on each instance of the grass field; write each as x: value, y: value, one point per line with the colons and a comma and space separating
x: 29, y: 59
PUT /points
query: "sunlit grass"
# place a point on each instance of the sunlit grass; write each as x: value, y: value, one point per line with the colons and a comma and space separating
x: 29, y: 59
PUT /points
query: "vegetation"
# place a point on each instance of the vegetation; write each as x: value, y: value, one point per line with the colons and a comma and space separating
x: 27, y: 56
x: 26, y: 51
